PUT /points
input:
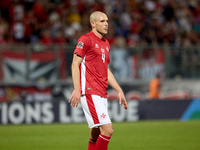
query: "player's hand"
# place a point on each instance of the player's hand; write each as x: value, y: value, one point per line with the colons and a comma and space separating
x: 122, y: 100
x: 75, y: 98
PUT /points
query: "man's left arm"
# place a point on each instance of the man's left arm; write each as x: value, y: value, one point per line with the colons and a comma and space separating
x: 113, y: 83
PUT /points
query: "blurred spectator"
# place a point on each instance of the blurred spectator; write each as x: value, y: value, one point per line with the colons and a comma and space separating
x: 29, y: 22
x: 16, y: 11
x: 18, y: 31
x: 39, y: 10
x: 4, y: 9
x: 155, y: 87
x: 168, y: 11
x: 46, y: 38
x: 4, y: 30
x: 55, y: 23
x: 138, y: 21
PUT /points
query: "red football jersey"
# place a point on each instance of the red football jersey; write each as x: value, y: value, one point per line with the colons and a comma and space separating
x: 94, y: 67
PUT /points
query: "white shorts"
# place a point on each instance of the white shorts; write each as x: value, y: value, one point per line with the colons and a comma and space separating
x: 95, y: 109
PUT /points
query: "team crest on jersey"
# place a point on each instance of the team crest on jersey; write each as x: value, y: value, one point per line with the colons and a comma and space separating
x: 107, y: 48
x: 102, y: 50
x: 80, y: 45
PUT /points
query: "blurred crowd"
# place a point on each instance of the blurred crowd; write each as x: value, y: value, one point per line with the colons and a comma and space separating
x: 174, y: 22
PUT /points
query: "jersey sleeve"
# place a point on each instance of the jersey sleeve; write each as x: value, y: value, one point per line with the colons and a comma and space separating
x: 81, y: 46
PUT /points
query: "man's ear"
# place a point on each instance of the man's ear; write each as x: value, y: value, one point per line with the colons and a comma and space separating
x: 92, y: 24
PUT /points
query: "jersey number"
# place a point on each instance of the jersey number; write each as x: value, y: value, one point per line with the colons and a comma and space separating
x: 103, y: 57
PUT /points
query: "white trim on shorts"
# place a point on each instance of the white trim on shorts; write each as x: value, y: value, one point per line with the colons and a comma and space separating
x: 95, y: 109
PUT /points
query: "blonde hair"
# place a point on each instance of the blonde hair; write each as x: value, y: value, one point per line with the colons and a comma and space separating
x: 94, y: 15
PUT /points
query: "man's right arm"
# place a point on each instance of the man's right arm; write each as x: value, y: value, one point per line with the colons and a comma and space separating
x: 75, y: 97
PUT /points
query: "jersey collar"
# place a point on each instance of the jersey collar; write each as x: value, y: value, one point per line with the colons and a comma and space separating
x: 103, y: 39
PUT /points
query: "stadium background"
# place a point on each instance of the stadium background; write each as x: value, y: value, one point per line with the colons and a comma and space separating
x: 37, y: 39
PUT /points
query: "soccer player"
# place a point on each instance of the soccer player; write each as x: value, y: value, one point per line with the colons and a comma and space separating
x: 91, y: 76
